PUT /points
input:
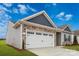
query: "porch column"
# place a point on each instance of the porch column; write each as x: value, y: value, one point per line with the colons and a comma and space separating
x: 72, y: 38
x: 62, y: 38
x: 77, y: 38
x: 54, y: 41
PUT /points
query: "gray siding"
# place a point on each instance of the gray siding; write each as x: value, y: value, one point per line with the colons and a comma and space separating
x: 41, y: 19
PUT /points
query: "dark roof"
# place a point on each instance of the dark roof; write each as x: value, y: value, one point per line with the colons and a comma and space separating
x: 62, y: 27
x: 65, y: 27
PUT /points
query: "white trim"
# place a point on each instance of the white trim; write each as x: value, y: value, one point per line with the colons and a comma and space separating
x: 49, y: 19
x: 25, y: 40
x: 68, y: 32
x: 21, y: 37
x: 54, y: 39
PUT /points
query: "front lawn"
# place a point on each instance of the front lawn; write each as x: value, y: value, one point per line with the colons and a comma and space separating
x: 6, y: 50
x: 73, y: 47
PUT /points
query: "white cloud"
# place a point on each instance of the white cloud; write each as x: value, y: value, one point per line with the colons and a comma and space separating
x: 60, y: 14
x: 5, y: 9
x: 22, y: 9
x: 63, y: 16
x: 15, y: 10
x: 32, y: 9
x: 68, y: 16
x: 7, y: 4
x: 4, y: 18
x: 1, y: 11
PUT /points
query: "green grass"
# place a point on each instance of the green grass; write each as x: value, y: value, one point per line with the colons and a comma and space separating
x: 73, y: 47
x: 6, y: 50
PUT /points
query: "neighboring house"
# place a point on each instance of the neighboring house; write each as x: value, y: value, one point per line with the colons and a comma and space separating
x: 67, y: 35
x: 37, y: 31
x: 76, y: 37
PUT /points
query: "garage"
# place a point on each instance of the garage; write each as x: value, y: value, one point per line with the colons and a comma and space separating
x: 39, y: 39
x: 35, y: 31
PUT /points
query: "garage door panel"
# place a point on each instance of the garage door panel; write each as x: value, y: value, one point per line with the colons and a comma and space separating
x: 38, y: 39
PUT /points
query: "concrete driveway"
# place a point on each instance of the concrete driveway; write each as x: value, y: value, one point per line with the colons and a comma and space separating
x: 56, y: 51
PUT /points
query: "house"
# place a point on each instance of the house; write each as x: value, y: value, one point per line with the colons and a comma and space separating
x: 37, y: 31
x: 76, y: 37
x: 67, y: 35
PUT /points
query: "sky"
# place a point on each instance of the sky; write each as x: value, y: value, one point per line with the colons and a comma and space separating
x: 60, y: 13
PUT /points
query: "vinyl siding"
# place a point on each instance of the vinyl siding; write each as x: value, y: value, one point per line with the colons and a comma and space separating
x: 13, y: 37
x: 41, y: 19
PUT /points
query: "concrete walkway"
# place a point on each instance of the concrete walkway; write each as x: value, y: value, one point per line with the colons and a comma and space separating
x: 57, y: 51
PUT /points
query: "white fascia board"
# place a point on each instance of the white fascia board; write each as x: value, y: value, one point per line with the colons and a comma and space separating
x: 49, y: 19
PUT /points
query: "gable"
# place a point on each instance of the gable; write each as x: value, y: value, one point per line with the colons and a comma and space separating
x: 41, y: 19
x: 67, y: 29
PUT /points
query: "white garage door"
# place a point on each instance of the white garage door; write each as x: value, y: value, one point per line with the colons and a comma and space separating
x: 37, y: 39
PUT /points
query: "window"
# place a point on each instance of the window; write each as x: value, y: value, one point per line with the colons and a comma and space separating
x: 45, y: 34
x: 69, y: 38
x: 65, y: 39
x: 38, y: 33
x: 30, y: 32
x: 50, y: 35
